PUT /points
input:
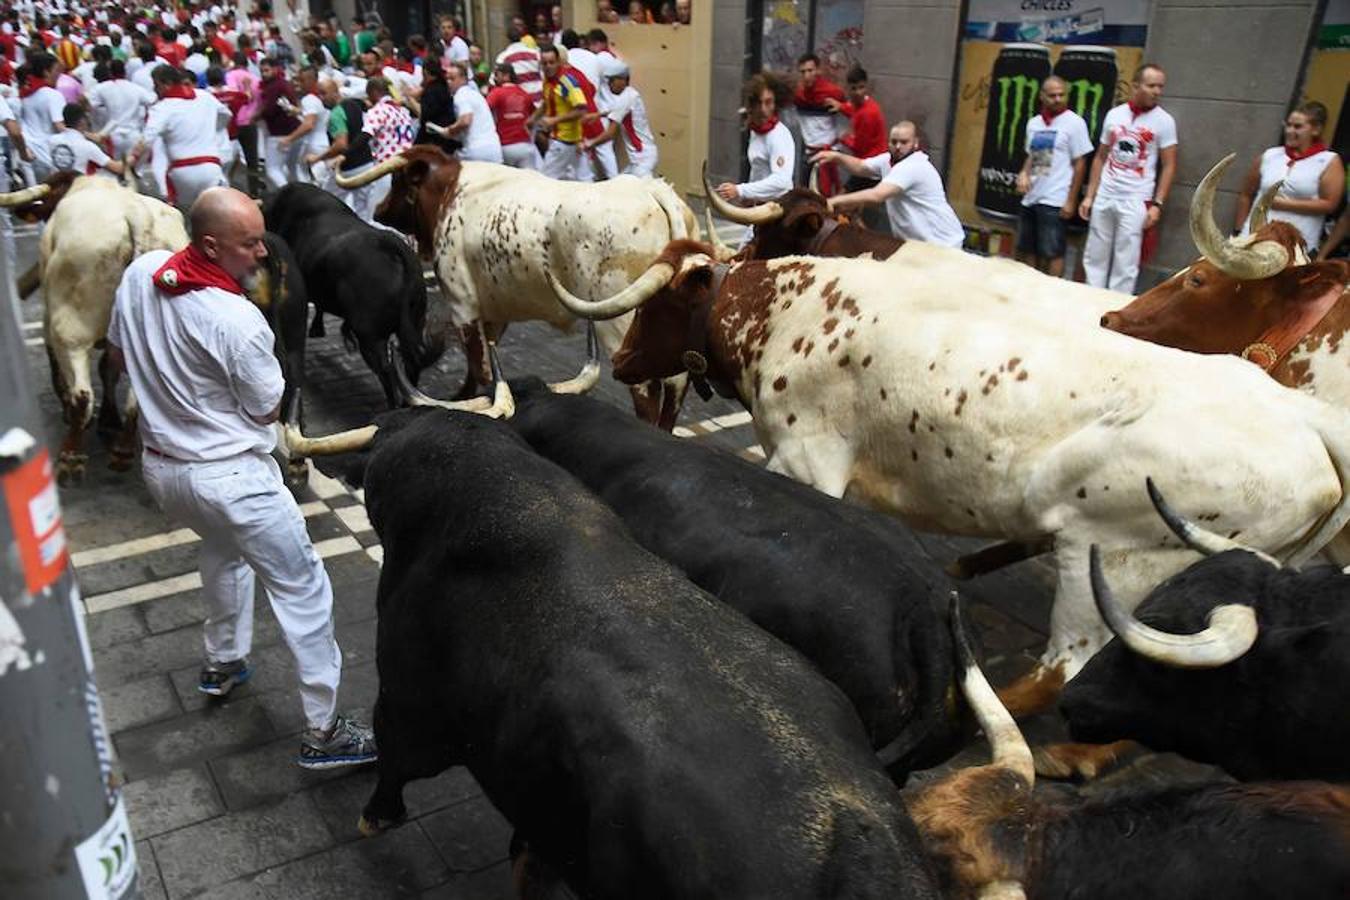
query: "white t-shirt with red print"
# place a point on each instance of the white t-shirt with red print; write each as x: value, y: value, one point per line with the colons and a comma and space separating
x: 1133, y: 143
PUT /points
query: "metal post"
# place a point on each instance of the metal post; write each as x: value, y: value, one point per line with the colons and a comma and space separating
x: 63, y: 826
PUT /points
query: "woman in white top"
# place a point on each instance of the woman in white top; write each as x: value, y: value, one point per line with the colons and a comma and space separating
x: 1314, y: 177
x: 40, y: 109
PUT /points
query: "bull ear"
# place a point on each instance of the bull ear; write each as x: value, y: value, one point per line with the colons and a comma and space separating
x: 691, y: 284
x: 808, y: 224
x: 417, y: 171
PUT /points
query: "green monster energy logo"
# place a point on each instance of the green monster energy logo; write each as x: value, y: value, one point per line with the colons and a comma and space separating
x: 1083, y: 92
x: 1018, y: 92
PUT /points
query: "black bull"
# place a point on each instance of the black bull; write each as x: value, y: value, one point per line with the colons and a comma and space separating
x: 644, y: 739
x: 841, y: 585
x: 280, y: 294
x: 366, y: 276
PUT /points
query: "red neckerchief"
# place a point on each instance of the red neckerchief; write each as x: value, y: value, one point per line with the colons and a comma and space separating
x: 31, y: 85
x: 1295, y: 156
x: 1049, y: 119
x: 189, y: 270
x: 178, y: 92
x: 815, y: 96
x: 764, y: 127
x: 1136, y: 111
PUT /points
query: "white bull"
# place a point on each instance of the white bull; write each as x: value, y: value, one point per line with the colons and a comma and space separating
x: 96, y: 230
x: 495, y: 232
x: 939, y: 399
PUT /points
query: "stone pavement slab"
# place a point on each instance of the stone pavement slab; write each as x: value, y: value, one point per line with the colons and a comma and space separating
x: 162, y: 803
x: 192, y: 737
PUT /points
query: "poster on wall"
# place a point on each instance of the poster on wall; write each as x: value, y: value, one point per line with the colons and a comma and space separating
x: 838, y: 35
x: 1328, y: 75
x: 1009, y: 47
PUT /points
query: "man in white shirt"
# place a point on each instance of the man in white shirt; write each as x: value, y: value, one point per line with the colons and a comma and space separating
x: 200, y: 359
x: 600, y: 160
x: 771, y: 151
x: 122, y: 106
x: 627, y: 115
x: 312, y: 135
x: 456, y: 49
x: 910, y: 187
x: 1131, y: 176
x: 71, y: 151
x: 41, y: 111
x: 473, y: 125
x: 1057, y: 147
x: 192, y: 125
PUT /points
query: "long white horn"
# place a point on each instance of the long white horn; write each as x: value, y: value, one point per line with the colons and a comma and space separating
x: 745, y: 215
x: 1243, y: 259
x: 1262, y: 208
x: 721, y: 249
x: 589, y: 374
x: 343, y: 442
x: 657, y: 276
x: 1009, y: 748
x: 27, y: 195
x: 392, y: 164
x: 415, y: 397
x: 1231, y: 632
x: 1198, y: 539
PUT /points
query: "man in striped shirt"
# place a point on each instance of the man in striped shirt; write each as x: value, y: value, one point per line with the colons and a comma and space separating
x: 524, y: 61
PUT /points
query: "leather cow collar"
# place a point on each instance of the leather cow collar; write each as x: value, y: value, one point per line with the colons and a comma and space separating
x: 1270, y: 348
x: 695, y: 356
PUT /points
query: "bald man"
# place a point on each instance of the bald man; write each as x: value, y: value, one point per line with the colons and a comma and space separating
x: 200, y: 359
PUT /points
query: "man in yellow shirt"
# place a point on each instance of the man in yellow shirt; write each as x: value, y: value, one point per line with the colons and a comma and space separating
x: 565, y: 102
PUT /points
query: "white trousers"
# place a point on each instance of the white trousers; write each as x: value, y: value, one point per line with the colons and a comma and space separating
x: 524, y: 155
x: 599, y: 164
x: 365, y: 199
x: 282, y: 164
x: 487, y: 153
x: 643, y: 166
x: 190, y: 181
x: 249, y: 524
x: 1115, y: 235
x: 561, y: 161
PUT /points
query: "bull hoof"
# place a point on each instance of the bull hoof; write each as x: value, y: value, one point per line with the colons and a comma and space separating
x: 70, y: 468
x: 297, y: 473
x: 1081, y: 762
x: 374, y: 827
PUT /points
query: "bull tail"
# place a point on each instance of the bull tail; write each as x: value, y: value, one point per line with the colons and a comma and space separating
x: 934, y: 731
x: 417, y: 352
x: 672, y: 206
x: 1334, y: 429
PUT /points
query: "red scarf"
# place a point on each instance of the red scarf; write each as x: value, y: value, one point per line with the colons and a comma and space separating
x: 1048, y: 119
x: 815, y: 96
x: 31, y: 85
x: 1136, y: 111
x: 178, y: 92
x: 764, y: 127
x: 189, y: 270
x: 1294, y: 156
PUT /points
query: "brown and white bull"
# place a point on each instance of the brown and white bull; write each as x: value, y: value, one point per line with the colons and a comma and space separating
x: 940, y: 400
x: 1259, y: 297
x: 95, y: 230
x: 495, y: 234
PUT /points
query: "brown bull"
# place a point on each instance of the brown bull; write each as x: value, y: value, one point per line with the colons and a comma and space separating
x: 799, y: 223
x: 1258, y: 297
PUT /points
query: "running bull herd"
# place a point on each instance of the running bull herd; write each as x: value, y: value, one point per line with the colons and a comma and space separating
x: 679, y: 674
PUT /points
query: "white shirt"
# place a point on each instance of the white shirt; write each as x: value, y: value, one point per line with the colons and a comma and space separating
x: 1302, y: 181
x: 39, y: 114
x: 1053, y: 149
x: 85, y: 72
x: 457, y: 50
x: 121, y: 103
x: 630, y: 113
x: 201, y: 364
x: 1133, y: 143
x: 482, y: 131
x: 197, y: 64
x: 71, y: 151
x: 588, y: 64
x: 141, y: 76
x: 189, y: 128
x: 317, y: 140
x: 920, y: 212
x: 772, y: 158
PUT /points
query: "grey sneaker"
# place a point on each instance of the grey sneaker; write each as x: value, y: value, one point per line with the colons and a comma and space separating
x: 348, y: 744
x: 218, y: 679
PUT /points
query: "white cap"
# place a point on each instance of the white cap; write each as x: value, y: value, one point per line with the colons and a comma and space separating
x: 614, y: 68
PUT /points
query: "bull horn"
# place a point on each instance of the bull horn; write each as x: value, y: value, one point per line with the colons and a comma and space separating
x: 760, y: 214
x: 1244, y: 259
x: 1009, y: 748
x: 813, y: 179
x: 343, y: 442
x: 1204, y: 542
x: 657, y: 276
x: 415, y: 397
x: 723, y: 251
x: 392, y: 164
x: 1262, y: 208
x: 27, y: 195
x: 1230, y: 633
x: 589, y: 374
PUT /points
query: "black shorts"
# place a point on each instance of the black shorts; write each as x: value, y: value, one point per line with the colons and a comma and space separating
x: 1041, y: 231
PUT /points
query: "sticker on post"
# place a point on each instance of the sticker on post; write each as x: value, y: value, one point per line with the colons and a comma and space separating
x: 107, y: 858
x: 35, y: 516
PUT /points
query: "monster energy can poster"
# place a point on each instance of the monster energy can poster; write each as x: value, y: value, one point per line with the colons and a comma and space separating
x: 1009, y: 47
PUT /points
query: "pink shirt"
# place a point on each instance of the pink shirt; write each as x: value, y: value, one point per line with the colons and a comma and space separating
x: 240, y: 80
x: 70, y: 87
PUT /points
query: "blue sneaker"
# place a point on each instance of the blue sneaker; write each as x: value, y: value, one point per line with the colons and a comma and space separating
x: 348, y: 744
x: 218, y: 679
